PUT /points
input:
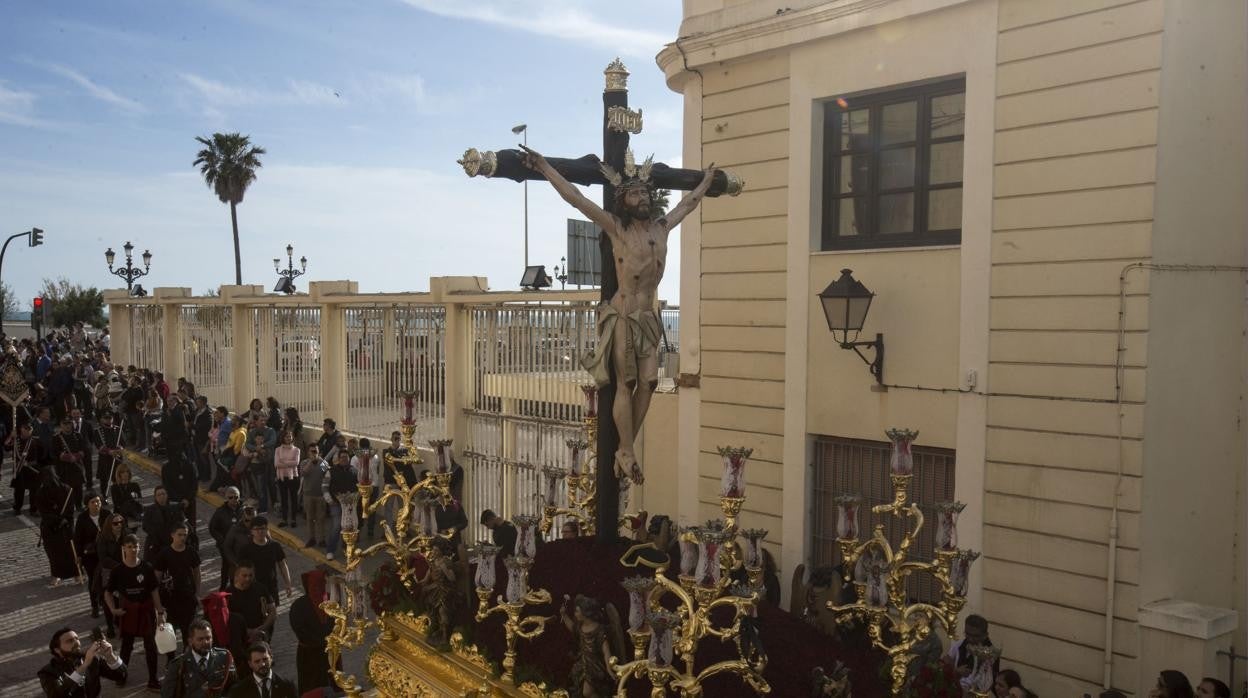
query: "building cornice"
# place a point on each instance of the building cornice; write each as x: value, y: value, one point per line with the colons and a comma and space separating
x: 786, y: 29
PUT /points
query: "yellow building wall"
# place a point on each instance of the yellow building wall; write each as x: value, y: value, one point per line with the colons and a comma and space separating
x: 745, y: 119
x: 1075, y: 164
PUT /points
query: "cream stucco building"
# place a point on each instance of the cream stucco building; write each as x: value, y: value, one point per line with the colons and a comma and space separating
x: 1038, y: 191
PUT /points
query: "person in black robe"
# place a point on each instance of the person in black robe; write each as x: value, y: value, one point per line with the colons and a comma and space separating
x: 28, y: 455
x: 158, y: 520
x: 70, y: 464
x: 127, y: 496
x: 87, y: 529
x: 311, y: 626
x: 109, y: 445
x: 70, y: 665
x: 55, y: 529
x: 108, y: 554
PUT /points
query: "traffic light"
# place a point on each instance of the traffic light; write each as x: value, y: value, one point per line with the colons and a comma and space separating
x: 36, y: 237
x: 36, y: 313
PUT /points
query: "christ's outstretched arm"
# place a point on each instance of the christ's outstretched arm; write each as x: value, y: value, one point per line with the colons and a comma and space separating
x: 691, y: 200
x: 566, y: 189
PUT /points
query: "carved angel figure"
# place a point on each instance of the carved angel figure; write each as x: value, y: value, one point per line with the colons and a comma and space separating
x: 596, y: 629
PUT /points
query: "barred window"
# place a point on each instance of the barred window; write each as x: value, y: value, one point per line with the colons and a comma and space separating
x: 845, y: 466
x: 893, y: 168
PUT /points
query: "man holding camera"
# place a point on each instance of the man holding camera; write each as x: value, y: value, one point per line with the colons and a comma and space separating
x: 73, y: 673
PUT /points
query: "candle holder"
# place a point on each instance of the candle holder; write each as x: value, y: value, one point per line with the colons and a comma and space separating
x: 879, y: 571
x: 442, y: 450
x: 347, y: 606
x: 981, y: 677
x: 413, y: 530
x: 580, y: 490
x: 511, y: 606
x: 709, y: 556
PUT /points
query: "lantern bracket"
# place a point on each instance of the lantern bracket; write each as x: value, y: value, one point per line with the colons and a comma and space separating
x: 875, y: 365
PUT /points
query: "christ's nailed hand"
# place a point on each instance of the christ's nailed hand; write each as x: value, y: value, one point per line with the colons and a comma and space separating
x: 532, y: 159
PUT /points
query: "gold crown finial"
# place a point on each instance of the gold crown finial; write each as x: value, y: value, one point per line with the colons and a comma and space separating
x: 617, y: 76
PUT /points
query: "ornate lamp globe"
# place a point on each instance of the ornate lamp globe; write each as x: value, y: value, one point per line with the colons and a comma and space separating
x: 110, y: 257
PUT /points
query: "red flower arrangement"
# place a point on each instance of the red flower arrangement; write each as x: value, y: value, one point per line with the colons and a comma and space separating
x: 937, y: 680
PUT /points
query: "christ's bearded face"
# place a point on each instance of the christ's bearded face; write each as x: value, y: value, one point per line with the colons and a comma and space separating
x: 636, y: 203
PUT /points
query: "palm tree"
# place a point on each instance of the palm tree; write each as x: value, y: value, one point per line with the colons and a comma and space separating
x: 229, y: 164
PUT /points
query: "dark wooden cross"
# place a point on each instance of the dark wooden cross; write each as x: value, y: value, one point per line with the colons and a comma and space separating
x: 617, y: 122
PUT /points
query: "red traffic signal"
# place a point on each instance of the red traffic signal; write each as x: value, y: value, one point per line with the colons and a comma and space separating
x: 38, y: 302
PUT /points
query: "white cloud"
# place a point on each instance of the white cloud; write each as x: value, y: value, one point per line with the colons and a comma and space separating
x: 17, y: 107
x: 299, y: 92
x: 92, y: 88
x: 555, y: 19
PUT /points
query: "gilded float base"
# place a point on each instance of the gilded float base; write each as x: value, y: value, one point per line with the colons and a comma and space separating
x: 402, y: 665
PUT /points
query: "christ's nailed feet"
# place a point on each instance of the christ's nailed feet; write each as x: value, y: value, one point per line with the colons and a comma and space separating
x: 626, y: 466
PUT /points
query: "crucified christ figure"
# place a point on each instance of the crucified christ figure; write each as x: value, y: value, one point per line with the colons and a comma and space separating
x: 629, y: 329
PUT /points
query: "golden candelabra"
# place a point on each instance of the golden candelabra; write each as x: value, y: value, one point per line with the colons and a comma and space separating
x: 581, y: 487
x: 710, y: 555
x: 511, y: 604
x: 879, y: 571
x: 347, y: 604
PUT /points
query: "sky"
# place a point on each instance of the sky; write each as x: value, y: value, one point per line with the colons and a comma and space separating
x: 363, y: 107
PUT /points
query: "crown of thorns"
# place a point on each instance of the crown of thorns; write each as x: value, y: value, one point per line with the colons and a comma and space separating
x: 633, y: 175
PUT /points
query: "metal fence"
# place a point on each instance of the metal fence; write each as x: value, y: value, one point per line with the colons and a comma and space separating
x: 207, y: 346
x: 524, y: 379
x: 148, y: 338
x: 288, y: 359
x: 390, y: 352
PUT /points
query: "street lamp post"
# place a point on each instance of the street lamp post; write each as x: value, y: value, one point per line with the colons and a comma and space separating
x: 290, y: 273
x: 561, y: 272
x: 519, y: 129
x: 129, y: 272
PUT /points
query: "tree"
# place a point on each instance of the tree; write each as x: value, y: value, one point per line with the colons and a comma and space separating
x: 74, y: 303
x: 8, y: 304
x: 229, y: 163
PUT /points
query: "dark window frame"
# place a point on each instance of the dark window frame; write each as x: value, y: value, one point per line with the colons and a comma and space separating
x: 870, y: 238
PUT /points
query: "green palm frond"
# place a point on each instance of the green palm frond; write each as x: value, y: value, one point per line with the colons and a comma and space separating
x: 228, y: 163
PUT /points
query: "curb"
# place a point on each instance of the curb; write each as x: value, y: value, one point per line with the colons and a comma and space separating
x: 280, y: 535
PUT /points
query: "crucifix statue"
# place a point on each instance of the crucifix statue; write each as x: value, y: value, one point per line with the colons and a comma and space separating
x: 634, y: 255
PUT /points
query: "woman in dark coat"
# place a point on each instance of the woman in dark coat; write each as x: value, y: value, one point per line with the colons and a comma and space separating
x: 108, y: 553
x: 93, y: 519
x: 53, y: 502
x: 311, y: 626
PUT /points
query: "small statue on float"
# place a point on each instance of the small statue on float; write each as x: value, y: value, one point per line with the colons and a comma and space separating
x: 833, y: 684
x: 598, y: 636
x: 439, y: 591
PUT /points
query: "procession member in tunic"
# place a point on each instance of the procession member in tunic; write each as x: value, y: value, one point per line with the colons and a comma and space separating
x: 27, y: 455
x: 201, y: 670
x: 108, y: 552
x: 629, y: 328
x: 55, y: 527
x: 177, y: 567
x: 159, y: 518
x: 134, y: 602
x: 109, y: 445
x: 70, y: 464
x: 75, y: 673
x: 93, y: 519
x: 85, y: 440
x: 127, y: 496
x: 312, y: 626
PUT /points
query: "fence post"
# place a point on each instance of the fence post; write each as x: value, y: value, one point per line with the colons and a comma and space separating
x: 457, y: 350
x: 120, y: 320
x: 333, y: 349
x: 171, y: 327
x: 243, y: 354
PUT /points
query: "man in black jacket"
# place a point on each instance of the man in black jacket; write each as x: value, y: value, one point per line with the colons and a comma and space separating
x: 260, y: 681
x: 73, y: 673
x: 502, y: 532
x: 158, y: 520
x: 223, y: 519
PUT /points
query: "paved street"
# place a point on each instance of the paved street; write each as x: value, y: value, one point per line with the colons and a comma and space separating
x: 30, y: 610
